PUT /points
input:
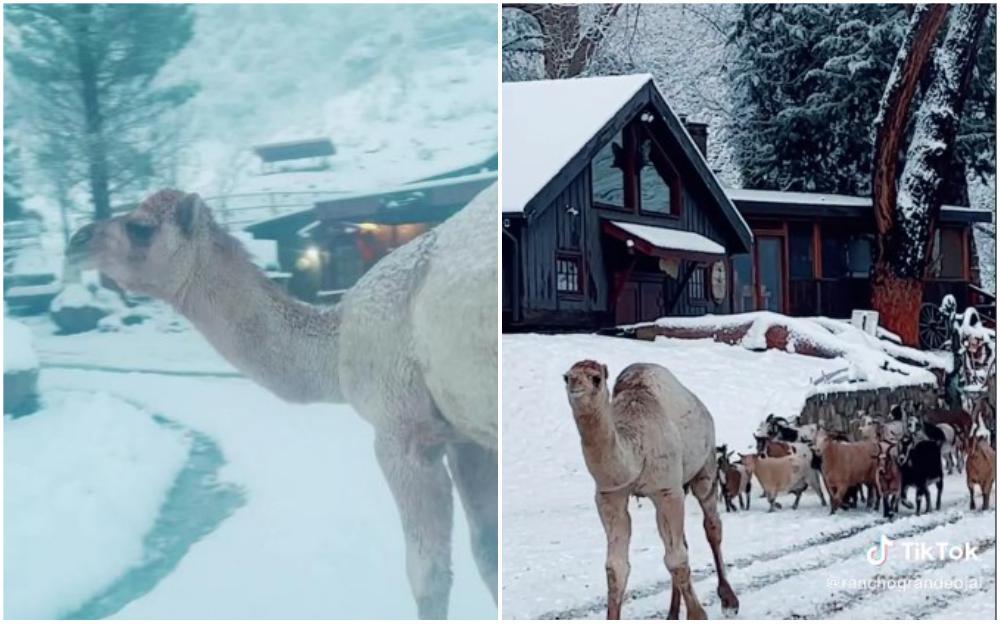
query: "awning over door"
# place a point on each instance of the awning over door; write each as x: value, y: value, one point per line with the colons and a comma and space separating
x: 664, y: 242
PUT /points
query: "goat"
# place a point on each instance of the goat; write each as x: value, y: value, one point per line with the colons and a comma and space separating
x: 960, y: 419
x: 888, y: 478
x: 920, y: 467
x: 780, y: 475
x: 845, y: 465
x: 980, y: 467
x: 951, y: 447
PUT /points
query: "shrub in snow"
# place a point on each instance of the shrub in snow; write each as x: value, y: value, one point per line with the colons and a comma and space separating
x: 79, y: 308
x: 20, y: 370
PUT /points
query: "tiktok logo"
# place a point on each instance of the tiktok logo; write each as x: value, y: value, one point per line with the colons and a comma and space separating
x: 879, y: 553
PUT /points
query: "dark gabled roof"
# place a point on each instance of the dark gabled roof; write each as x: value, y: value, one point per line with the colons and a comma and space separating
x: 490, y: 164
x: 557, y: 110
x: 294, y: 150
x: 761, y: 203
x: 429, y: 201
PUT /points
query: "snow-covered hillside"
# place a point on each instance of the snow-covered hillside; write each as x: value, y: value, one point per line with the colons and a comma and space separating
x: 402, y: 91
x: 782, y: 565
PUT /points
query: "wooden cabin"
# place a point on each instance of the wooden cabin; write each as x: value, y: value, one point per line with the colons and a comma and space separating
x: 328, y: 247
x: 813, y: 253
x: 610, y: 214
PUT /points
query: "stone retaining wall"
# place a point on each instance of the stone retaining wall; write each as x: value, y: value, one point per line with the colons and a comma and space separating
x: 835, y: 410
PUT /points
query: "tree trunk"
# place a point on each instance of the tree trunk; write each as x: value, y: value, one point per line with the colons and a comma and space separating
x: 97, y: 158
x: 898, y: 301
x: 907, y: 203
x: 567, y: 51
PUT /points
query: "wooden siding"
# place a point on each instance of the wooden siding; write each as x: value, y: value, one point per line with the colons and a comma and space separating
x: 556, y: 229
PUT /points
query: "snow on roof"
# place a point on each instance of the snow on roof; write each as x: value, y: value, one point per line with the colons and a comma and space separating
x: 791, y: 197
x: 795, y: 197
x: 667, y: 238
x: 547, y: 122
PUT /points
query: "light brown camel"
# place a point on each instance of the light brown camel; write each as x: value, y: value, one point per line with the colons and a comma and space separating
x: 654, y: 439
x: 412, y: 347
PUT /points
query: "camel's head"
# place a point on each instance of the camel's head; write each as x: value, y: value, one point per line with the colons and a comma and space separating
x: 586, y: 382
x: 152, y: 250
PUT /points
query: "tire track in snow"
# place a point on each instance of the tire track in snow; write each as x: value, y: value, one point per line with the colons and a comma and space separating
x: 791, y: 569
x: 823, y: 610
x: 597, y: 606
x: 600, y: 604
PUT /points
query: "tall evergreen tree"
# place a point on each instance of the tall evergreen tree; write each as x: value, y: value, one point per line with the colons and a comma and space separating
x: 806, y: 84
x: 87, y: 73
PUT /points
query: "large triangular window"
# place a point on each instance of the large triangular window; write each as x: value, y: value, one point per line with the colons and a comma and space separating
x: 658, y: 181
x: 608, y: 173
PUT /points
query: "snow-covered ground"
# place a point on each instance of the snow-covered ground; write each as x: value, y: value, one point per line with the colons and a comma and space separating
x: 279, y: 511
x: 782, y: 565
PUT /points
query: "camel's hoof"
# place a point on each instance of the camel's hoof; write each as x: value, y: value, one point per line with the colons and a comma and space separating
x: 730, y: 612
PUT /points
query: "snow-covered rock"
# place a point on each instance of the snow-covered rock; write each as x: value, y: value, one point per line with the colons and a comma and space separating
x: 20, y: 370
x: 79, y: 308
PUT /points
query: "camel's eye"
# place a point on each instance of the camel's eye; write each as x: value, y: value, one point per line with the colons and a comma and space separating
x: 140, y: 233
x: 596, y: 380
x: 566, y: 378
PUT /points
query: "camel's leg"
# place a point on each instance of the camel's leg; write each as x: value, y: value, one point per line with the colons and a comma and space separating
x: 474, y: 471
x: 670, y: 521
x: 419, y: 482
x: 613, y: 509
x: 675, y: 602
x: 703, y: 490
x: 972, y: 497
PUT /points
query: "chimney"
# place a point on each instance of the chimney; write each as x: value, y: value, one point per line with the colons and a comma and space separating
x: 699, y: 133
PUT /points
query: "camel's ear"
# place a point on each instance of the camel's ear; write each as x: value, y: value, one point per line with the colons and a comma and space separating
x: 604, y: 371
x: 189, y: 211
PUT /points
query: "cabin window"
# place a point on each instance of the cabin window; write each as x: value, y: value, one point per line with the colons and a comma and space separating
x: 743, y: 295
x: 608, y: 174
x: 658, y: 185
x: 568, y: 275
x: 696, y: 284
x: 947, y: 254
x: 846, y: 255
x: 800, y: 251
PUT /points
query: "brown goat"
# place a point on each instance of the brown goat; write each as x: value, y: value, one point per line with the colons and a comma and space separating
x: 889, y: 478
x: 846, y: 465
x: 957, y: 418
x: 780, y: 475
x: 736, y: 484
x: 980, y: 469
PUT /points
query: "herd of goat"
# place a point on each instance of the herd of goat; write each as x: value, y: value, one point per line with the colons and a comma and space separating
x: 877, y: 464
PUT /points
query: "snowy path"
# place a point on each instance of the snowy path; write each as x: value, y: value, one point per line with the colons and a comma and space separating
x: 279, y: 512
x: 786, y: 564
x: 196, y: 504
x: 318, y: 535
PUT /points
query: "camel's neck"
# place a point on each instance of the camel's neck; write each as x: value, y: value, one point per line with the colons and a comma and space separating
x: 285, y: 345
x: 609, y: 457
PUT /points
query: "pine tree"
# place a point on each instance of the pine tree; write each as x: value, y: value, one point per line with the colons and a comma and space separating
x: 806, y: 82
x: 87, y: 74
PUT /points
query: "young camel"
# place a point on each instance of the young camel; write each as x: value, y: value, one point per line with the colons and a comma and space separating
x: 654, y: 439
x: 392, y: 349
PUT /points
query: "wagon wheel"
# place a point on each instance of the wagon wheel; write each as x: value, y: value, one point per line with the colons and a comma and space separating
x: 933, y: 327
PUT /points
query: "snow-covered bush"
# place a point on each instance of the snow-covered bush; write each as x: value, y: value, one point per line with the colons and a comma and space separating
x: 79, y: 308
x: 20, y: 370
